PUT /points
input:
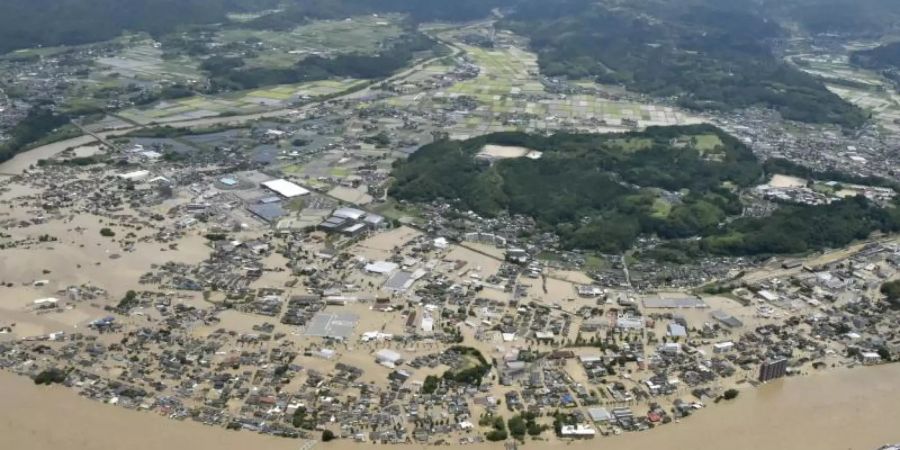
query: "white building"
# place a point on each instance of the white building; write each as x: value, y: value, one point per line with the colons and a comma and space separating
x: 388, y: 358
x: 42, y: 303
x: 349, y: 213
x: 626, y: 322
x: 427, y: 323
x: 722, y: 347
x: 137, y: 175
x: 376, y: 336
x: 381, y: 267
x: 285, y: 188
x: 870, y: 358
x: 578, y: 431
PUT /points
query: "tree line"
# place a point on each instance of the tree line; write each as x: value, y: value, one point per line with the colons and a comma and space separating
x: 39, y: 123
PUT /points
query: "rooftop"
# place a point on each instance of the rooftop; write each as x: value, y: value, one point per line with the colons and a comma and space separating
x: 285, y: 188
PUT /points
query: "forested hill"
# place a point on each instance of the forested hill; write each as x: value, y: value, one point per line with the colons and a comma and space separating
x: 873, y: 18
x: 32, y: 23
x: 600, y: 192
x: 418, y: 10
x: 885, y: 57
x: 709, y: 54
x: 595, y: 191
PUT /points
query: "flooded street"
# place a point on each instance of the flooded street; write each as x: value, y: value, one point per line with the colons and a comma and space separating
x: 839, y: 410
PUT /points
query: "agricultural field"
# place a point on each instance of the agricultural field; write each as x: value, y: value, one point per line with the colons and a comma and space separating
x: 863, y: 88
x: 142, y: 59
x: 505, y: 72
x: 281, y: 49
x: 511, y: 96
x: 119, y: 68
x: 885, y: 105
x: 707, y: 143
x: 245, y: 102
x: 395, y: 211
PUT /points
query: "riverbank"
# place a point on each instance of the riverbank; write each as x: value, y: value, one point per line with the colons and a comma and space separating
x: 837, y: 410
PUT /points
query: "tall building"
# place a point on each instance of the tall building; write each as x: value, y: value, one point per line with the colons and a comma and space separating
x: 773, y: 369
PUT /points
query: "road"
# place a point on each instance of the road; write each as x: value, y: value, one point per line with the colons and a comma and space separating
x: 22, y: 161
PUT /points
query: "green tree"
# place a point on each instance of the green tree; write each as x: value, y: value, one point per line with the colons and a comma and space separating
x: 891, y: 291
x: 517, y: 427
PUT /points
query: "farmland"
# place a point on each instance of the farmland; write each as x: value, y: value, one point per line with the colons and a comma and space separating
x: 244, y: 102
x: 510, y: 94
x: 864, y: 88
x: 282, y: 49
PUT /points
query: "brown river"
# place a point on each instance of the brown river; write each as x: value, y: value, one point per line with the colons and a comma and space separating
x: 841, y: 410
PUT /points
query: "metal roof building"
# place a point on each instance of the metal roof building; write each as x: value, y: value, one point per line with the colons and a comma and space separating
x: 349, y: 213
x: 339, y: 325
x: 285, y: 188
x: 269, y: 212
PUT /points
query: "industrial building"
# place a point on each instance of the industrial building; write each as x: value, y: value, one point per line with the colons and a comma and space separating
x: 352, y: 222
x: 285, y: 188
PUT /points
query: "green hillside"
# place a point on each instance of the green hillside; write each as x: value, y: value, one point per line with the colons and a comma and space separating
x: 596, y: 191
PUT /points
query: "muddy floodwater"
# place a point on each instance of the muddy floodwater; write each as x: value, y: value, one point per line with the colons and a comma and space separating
x: 841, y: 410
x: 24, y: 160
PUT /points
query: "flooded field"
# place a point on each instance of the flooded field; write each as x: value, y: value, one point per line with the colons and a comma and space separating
x: 840, y: 410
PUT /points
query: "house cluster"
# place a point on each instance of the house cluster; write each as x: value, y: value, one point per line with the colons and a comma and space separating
x: 352, y: 222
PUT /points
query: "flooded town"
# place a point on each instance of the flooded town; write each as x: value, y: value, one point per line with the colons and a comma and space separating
x: 234, y: 279
x: 236, y: 271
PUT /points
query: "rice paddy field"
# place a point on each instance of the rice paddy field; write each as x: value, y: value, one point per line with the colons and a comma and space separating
x: 863, y: 88
x: 363, y: 34
x: 504, y: 72
x: 139, y: 62
x: 511, y: 96
x: 143, y: 60
x: 135, y: 61
x: 885, y: 105
x: 245, y: 102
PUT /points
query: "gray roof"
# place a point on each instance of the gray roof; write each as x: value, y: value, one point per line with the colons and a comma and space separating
x: 726, y: 319
x: 677, y: 302
x: 398, y: 281
x: 270, y: 212
x: 332, y: 325
x: 677, y: 330
x: 599, y: 414
x: 373, y: 219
